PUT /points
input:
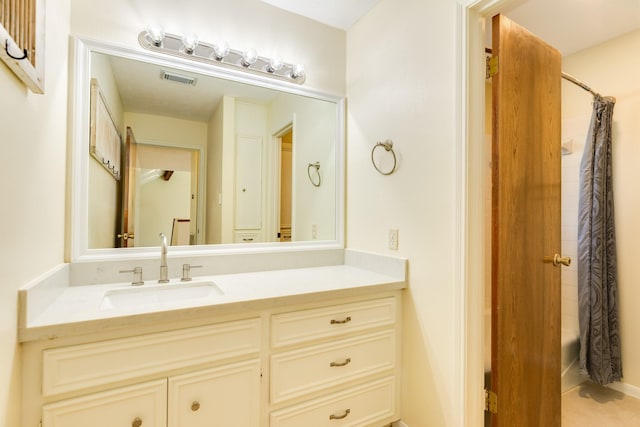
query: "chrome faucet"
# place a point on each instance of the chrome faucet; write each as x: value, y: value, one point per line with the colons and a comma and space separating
x: 164, y: 270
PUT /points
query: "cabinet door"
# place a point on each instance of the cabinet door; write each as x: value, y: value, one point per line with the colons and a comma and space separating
x: 249, y: 183
x: 224, y: 396
x: 142, y: 405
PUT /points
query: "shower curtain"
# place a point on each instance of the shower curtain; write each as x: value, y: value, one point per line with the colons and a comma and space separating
x: 597, y: 272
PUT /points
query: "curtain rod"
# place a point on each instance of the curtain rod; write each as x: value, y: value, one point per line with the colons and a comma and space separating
x: 565, y: 76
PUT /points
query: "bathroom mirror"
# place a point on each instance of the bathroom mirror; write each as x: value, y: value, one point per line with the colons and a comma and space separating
x: 214, y: 159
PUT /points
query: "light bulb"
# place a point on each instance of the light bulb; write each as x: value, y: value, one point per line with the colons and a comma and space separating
x: 275, y: 64
x: 220, y: 50
x: 155, y: 34
x: 249, y: 57
x: 189, y: 43
x: 297, y: 71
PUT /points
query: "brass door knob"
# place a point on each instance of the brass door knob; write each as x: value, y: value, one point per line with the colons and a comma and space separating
x: 137, y: 422
x: 557, y: 260
x: 195, y: 406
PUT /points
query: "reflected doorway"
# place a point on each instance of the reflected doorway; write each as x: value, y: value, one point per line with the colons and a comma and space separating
x: 166, y: 195
x: 286, y: 151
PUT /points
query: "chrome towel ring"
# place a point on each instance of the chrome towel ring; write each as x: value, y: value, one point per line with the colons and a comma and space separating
x: 388, y: 146
x: 316, y: 181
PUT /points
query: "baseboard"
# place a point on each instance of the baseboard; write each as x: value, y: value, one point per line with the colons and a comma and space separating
x: 625, y: 388
x: 399, y: 424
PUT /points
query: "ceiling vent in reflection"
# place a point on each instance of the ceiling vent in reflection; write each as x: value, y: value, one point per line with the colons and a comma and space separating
x: 178, y: 78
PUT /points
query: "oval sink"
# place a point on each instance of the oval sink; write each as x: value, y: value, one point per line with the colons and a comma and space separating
x: 145, y: 295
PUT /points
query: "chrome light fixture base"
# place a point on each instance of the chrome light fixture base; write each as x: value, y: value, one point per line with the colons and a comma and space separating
x: 209, y: 53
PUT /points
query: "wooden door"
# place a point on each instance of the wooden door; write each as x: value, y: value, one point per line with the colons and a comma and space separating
x: 129, y: 182
x: 525, y: 362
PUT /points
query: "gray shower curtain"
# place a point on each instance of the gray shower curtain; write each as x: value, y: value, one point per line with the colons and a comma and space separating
x: 597, y: 272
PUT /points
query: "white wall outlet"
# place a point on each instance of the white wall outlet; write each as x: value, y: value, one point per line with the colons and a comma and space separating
x: 314, y: 231
x: 393, y: 239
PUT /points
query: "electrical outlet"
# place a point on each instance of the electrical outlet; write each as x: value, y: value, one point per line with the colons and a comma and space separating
x: 393, y: 239
x: 314, y: 231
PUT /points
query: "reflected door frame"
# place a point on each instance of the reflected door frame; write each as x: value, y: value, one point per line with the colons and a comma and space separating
x: 201, y: 206
x: 273, y: 188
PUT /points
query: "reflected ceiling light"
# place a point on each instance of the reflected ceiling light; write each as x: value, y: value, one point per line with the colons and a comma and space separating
x: 219, y: 54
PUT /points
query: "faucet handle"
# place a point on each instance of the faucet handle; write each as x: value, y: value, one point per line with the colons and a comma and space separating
x: 137, y: 276
x: 186, y: 272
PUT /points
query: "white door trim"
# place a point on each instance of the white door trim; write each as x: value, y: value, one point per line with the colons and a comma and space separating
x: 470, y: 209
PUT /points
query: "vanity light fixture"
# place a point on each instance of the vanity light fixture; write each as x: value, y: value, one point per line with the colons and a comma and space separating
x: 220, y: 54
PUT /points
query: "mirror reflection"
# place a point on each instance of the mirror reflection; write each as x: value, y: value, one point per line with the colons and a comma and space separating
x: 205, y: 160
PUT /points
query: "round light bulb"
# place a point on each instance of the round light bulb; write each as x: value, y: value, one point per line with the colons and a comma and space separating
x: 249, y: 57
x: 189, y: 43
x: 275, y: 64
x: 155, y: 34
x: 220, y: 50
x: 297, y: 71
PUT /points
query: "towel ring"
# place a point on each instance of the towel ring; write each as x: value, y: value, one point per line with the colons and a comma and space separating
x: 388, y: 146
x: 318, y: 180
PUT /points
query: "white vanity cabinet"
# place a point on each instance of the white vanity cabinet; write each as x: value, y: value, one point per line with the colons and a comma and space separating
x: 337, y: 365
x: 331, y: 363
x: 229, y: 390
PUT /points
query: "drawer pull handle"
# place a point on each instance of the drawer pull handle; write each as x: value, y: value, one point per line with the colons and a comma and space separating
x: 341, y: 322
x: 338, y: 364
x: 195, y: 406
x: 340, y: 417
x: 137, y: 422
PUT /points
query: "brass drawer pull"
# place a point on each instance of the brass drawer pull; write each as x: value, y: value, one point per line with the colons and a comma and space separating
x: 137, y: 422
x: 341, y: 322
x: 195, y: 406
x: 338, y: 364
x: 340, y: 417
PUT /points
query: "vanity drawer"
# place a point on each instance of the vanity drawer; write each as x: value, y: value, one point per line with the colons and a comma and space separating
x: 308, y: 325
x: 372, y: 404
x: 248, y: 237
x: 88, y: 365
x: 299, y: 372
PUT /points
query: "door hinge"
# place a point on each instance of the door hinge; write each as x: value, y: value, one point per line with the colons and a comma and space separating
x: 490, y: 401
x: 492, y: 66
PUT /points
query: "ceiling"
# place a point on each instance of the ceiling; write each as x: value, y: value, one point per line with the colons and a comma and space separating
x: 568, y: 25
x: 574, y: 25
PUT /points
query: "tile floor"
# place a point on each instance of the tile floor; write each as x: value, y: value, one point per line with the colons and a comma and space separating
x: 590, y: 405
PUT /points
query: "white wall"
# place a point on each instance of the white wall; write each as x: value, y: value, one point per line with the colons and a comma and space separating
x: 242, y: 23
x: 314, y: 140
x: 400, y: 85
x: 104, y: 188
x: 32, y: 193
x: 612, y: 69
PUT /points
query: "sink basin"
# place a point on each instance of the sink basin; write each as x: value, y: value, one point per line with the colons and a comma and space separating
x: 146, y: 295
